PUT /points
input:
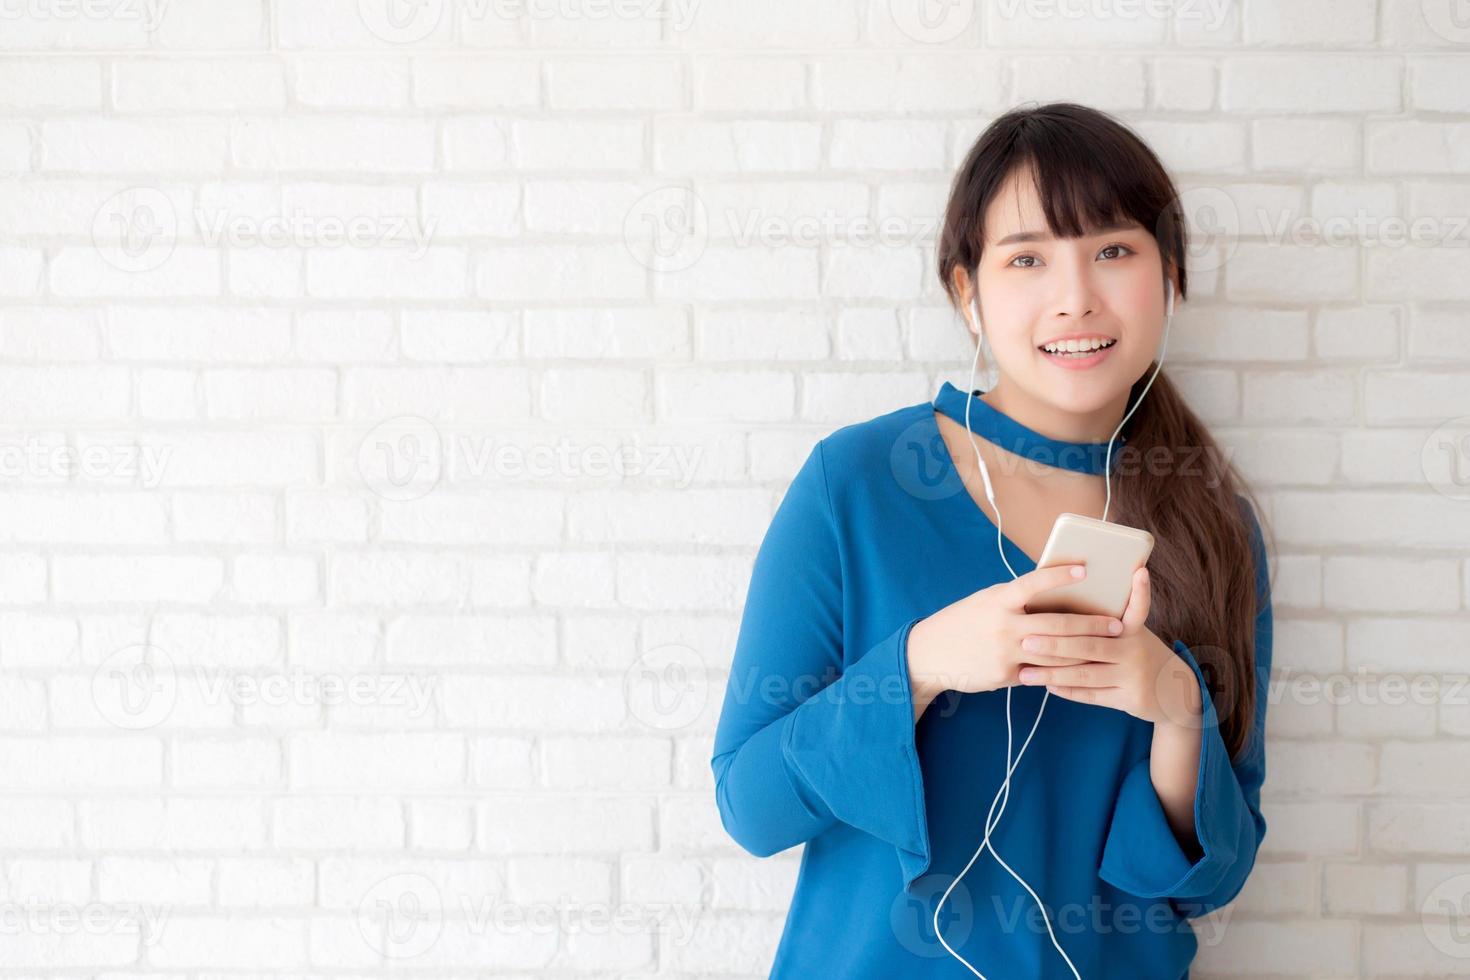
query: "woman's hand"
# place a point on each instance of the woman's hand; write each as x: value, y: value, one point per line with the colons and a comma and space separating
x: 1133, y: 671
x: 974, y: 644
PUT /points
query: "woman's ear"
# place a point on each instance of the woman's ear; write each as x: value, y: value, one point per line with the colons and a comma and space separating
x: 1171, y: 287
x: 965, y: 287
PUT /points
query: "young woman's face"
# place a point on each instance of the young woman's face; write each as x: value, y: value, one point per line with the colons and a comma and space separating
x: 1034, y: 288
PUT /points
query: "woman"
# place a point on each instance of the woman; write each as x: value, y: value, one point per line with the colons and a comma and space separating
x: 885, y: 644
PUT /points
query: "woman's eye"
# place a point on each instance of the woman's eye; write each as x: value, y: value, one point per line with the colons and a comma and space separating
x: 1030, y: 261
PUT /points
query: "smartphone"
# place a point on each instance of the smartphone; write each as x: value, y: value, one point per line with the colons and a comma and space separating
x: 1111, y: 552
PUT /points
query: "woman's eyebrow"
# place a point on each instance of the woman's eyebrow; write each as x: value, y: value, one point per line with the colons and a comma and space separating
x: 1041, y: 236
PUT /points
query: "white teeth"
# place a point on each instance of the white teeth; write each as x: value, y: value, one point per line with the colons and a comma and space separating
x: 1085, y: 345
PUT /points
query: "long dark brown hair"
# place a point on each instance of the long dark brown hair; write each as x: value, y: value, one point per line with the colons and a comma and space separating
x: 1091, y: 170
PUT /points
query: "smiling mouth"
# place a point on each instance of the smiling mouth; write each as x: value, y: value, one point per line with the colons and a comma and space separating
x: 1060, y: 349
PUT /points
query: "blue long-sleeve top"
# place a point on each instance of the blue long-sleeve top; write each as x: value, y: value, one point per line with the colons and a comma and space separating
x: 817, y: 745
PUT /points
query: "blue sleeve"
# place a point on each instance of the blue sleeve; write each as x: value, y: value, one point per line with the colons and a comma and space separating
x: 803, y: 742
x: 1142, y: 856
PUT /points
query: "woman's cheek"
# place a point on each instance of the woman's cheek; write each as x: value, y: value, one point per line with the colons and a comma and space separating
x: 1145, y: 296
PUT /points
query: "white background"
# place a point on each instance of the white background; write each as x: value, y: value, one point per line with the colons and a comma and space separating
x: 241, y: 451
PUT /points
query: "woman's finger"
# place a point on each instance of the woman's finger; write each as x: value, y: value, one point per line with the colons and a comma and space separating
x: 1101, y: 648
x: 1071, y: 624
x: 1106, y: 697
x: 1136, y: 614
x: 1080, y: 675
x: 1054, y: 660
x: 1027, y: 587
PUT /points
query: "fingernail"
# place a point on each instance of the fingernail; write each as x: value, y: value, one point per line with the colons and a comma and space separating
x: 1029, y: 674
x: 1031, y: 643
x: 1115, y: 627
x: 1078, y: 571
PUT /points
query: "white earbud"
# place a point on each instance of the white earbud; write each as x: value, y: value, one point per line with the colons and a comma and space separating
x: 1003, y: 795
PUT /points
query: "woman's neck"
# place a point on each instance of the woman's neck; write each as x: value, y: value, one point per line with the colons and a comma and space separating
x: 1054, y: 423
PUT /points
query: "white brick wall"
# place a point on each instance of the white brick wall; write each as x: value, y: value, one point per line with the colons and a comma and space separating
x: 378, y: 435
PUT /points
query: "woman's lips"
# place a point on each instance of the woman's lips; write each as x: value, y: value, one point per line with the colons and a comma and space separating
x: 1082, y: 363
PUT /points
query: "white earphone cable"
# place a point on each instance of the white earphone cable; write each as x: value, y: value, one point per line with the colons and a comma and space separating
x: 1005, y: 786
